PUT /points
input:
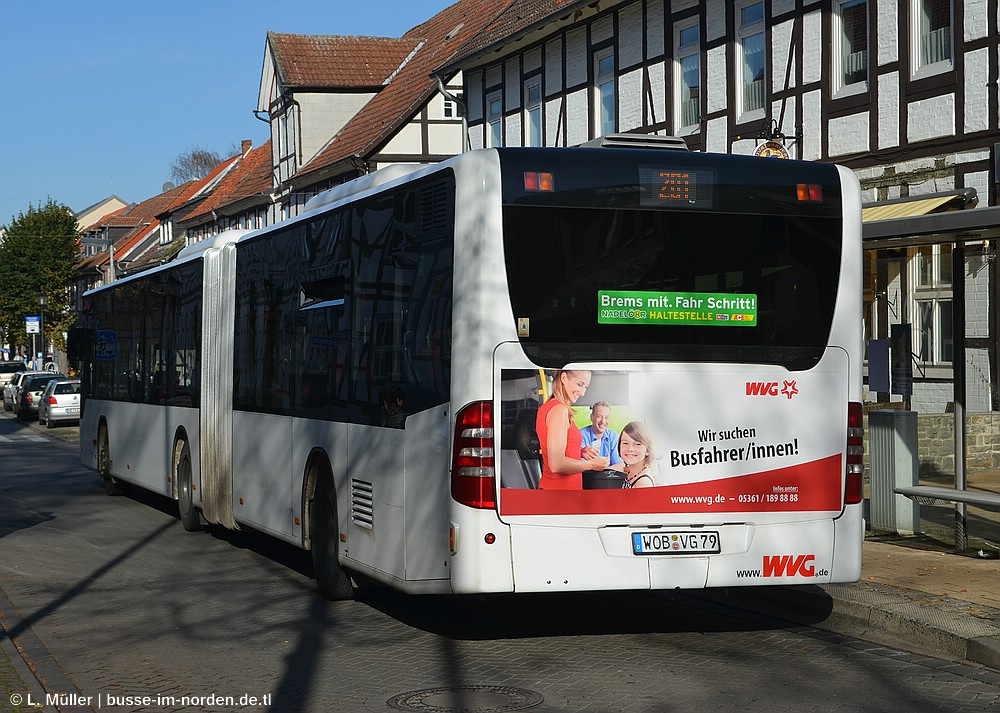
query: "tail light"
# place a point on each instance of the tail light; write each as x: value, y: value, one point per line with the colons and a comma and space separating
x: 27, y: 397
x: 52, y: 401
x: 854, y: 490
x: 473, y: 478
x: 810, y: 192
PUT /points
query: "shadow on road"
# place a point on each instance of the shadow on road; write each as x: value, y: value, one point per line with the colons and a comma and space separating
x: 570, y: 614
x: 15, y: 516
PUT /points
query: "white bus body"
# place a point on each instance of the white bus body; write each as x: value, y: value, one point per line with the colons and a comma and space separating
x: 331, y: 358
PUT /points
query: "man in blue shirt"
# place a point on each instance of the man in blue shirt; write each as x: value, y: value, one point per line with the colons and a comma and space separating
x: 598, y: 436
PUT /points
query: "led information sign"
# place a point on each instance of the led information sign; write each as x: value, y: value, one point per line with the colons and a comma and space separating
x: 709, y: 309
x: 666, y: 187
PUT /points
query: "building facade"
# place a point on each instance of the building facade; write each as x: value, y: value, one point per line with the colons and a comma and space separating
x: 904, y: 92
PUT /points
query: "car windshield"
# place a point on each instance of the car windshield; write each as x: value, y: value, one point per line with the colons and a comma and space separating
x: 67, y: 387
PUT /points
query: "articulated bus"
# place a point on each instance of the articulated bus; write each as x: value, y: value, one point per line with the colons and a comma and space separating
x: 362, y: 380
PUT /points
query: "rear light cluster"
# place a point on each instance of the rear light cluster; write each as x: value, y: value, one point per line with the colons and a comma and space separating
x: 473, y: 477
x: 809, y: 192
x: 855, y: 491
x: 538, y: 181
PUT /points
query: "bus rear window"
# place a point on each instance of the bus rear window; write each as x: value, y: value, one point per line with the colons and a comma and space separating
x: 672, y: 284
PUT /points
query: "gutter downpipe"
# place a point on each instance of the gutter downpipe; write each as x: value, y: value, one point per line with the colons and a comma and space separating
x: 466, y: 144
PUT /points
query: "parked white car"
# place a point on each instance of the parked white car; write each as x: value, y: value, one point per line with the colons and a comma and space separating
x: 10, y: 389
x: 59, y: 403
x: 29, y: 393
x: 8, y: 369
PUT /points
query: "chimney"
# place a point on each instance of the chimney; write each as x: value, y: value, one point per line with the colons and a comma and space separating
x: 246, y: 146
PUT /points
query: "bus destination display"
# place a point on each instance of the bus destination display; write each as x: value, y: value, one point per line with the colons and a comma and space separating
x: 666, y: 187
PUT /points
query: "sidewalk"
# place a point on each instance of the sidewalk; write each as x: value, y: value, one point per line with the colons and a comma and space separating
x: 915, y: 594
x: 931, y: 595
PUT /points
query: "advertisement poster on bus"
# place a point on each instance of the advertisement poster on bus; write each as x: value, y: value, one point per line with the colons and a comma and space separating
x: 714, y: 439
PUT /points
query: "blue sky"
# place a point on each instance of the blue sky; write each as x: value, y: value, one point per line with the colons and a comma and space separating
x: 100, y: 97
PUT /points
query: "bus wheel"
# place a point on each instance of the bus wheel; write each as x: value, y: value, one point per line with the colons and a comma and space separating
x: 189, y: 516
x: 111, y: 486
x: 331, y: 580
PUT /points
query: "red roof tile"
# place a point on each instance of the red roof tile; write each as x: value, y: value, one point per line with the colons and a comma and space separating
x: 140, y: 217
x: 519, y: 16
x: 441, y: 36
x: 337, y: 61
x: 251, y: 177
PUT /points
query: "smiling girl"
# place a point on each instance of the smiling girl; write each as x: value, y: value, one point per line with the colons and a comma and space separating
x: 636, y: 449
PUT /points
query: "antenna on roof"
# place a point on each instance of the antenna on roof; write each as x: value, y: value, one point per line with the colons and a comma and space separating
x: 168, y: 186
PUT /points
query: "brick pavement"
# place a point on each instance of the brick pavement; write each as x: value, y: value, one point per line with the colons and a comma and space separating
x: 933, y: 568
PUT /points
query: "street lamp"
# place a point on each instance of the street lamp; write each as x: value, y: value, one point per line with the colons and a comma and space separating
x: 41, y: 304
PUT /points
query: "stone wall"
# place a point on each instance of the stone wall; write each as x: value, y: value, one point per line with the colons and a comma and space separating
x: 936, y: 442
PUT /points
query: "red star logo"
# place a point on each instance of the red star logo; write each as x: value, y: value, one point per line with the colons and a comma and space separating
x: 789, y: 389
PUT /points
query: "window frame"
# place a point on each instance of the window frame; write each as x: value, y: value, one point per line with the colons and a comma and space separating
x: 840, y: 87
x: 681, y: 53
x: 533, y: 107
x: 745, y: 32
x: 601, y: 80
x: 452, y: 103
x: 286, y: 153
x: 931, y: 277
x: 494, y: 119
x: 919, y: 68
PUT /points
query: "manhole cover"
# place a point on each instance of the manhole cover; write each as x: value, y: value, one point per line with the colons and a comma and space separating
x: 467, y: 699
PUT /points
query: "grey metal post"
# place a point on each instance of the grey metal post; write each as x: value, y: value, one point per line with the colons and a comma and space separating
x: 958, y: 364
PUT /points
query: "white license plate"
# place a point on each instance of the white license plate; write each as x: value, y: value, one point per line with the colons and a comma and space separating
x: 73, y: 409
x: 665, y: 542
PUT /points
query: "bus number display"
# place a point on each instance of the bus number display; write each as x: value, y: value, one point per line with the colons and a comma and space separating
x: 666, y: 187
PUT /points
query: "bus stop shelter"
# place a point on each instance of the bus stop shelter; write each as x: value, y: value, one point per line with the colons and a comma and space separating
x: 893, y: 232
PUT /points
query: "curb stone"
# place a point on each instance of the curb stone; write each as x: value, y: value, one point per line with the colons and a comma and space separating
x: 897, y: 617
x: 32, y: 661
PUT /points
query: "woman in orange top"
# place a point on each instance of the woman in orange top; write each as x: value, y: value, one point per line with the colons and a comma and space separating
x: 563, y: 460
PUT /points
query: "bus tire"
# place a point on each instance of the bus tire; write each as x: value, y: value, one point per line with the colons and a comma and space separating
x: 111, y: 486
x: 324, y: 534
x: 186, y: 511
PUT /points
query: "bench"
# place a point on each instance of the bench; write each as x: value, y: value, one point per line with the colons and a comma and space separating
x: 927, y: 494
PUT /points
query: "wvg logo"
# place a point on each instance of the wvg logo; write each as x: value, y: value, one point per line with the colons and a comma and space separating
x: 791, y: 566
x: 785, y: 566
x: 770, y: 388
